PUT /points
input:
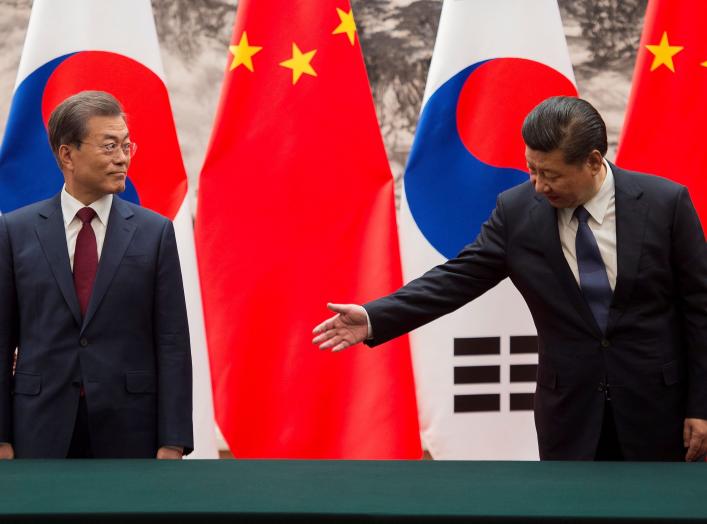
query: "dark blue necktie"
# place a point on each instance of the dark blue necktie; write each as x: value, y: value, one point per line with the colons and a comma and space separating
x: 592, y: 272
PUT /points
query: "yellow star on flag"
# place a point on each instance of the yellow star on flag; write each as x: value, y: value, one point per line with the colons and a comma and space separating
x: 347, y: 25
x: 300, y: 63
x: 243, y: 53
x: 663, y: 53
x: 704, y: 64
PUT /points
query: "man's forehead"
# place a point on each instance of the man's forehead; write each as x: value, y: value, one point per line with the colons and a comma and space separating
x: 534, y: 156
x: 107, y: 126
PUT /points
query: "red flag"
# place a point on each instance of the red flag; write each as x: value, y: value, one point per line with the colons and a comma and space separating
x: 664, y: 128
x: 296, y: 209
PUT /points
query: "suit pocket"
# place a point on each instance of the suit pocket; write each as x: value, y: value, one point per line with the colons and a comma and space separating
x: 547, y: 377
x: 673, y: 373
x: 140, y: 382
x: 27, y: 384
x: 135, y: 260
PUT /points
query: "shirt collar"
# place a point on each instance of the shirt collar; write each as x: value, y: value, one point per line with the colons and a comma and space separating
x: 599, y: 203
x: 70, y: 206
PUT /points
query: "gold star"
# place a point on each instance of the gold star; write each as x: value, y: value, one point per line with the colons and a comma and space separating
x: 663, y: 53
x: 704, y: 64
x: 243, y: 53
x: 347, y: 25
x: 299, y: 63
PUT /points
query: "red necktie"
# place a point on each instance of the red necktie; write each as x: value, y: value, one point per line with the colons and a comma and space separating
x: 85, y: 258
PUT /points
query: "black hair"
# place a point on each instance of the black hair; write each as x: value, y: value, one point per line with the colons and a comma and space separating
x: 567, y: 123
x: 67, y: 123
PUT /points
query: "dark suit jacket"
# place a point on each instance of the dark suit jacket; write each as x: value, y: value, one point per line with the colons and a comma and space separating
x: 131, y: 351
x: 654, y: 353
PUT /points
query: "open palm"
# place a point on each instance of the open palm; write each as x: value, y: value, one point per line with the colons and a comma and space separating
x: 348, y: 327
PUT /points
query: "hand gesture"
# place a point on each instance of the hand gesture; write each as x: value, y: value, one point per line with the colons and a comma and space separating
x: 348, y: 327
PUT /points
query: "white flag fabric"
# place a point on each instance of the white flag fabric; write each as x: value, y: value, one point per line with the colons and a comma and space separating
x: 475, y: 368
x: 75, y: 45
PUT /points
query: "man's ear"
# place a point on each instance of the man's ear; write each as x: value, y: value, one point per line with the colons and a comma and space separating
x: 595, y: 160
x: 66, y: 160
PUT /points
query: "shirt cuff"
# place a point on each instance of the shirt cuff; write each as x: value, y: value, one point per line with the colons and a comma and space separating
x: 370, y: 327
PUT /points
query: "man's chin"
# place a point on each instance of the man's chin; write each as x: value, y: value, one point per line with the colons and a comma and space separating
x: 556, y: 202
x: 561, y: 203
x: 119, y: 188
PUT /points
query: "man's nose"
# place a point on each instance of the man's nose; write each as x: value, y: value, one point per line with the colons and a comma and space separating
x: 541, y: 187
x: 120, y: 157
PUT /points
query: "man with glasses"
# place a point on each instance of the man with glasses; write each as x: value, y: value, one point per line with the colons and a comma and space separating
x: 91, y: 298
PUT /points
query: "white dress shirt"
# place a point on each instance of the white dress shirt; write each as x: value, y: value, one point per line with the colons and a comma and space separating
x: 602, y: 222
x: 72, y: 224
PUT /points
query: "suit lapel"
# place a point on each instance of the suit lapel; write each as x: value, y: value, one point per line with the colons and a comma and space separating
x: 52, y: 237
x: 545, y: 218
x: 630, y: 228
x: 119, y: 233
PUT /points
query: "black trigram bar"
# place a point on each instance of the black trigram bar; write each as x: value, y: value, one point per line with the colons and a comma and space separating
x: 521, y: 401
x: 477, y: 346
x: 524, y: 372
x: 477, y: 374
x: 524, y: 344
x: 476, y: 403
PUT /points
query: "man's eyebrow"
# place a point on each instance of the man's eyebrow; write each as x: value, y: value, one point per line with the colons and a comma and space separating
x: 115, y: 137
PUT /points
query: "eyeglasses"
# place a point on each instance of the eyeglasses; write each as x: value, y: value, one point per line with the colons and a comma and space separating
x: 128, y: 148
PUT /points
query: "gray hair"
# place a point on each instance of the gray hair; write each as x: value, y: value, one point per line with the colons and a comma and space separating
x: 67, y: 123
x: 567, y: 123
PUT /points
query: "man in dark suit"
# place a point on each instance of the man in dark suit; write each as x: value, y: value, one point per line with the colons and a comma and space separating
x: 613, y: 267
x: 91, y: 297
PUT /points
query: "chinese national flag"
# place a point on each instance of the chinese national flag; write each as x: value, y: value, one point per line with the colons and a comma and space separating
x: 296, y: 209
x: 664, y: 129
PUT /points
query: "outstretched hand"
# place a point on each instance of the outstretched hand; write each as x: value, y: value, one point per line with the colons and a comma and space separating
x: 348, y: 327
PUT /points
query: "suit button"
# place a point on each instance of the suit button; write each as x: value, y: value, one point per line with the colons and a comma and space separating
x: 605, y: 343
x: 83, y: 342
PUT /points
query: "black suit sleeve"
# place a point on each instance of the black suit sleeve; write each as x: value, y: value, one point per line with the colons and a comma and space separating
x: 174, y: 424
x: 8, y: 332
x: 445, y: 288
x: 689, y: 253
